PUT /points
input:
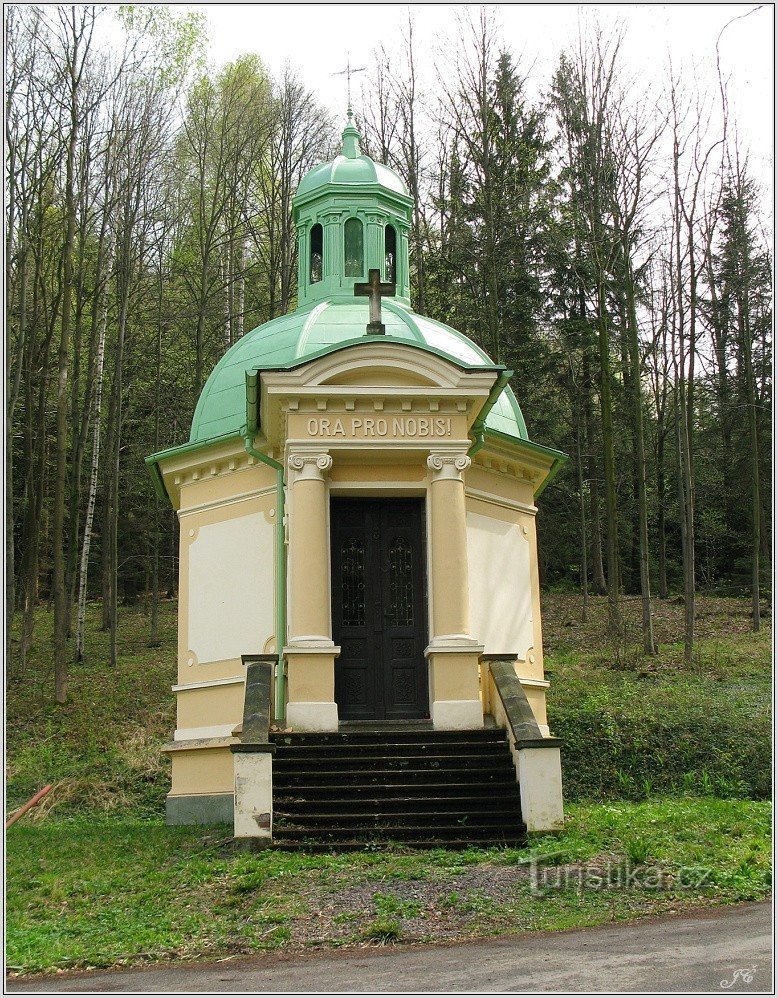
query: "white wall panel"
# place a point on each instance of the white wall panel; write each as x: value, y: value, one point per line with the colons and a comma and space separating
x: 500, y: 585
x: 231, y: 589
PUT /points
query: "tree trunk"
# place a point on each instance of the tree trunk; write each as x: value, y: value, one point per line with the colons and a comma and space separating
x: 750, y: 398
x: 661, y: 498
x: 584, y: 539
x: 606, y: 408
x: 95, y: 470
x: 154, y: 641
x: 598, y: 569
x: 649, y: 646
x: 60, y: 480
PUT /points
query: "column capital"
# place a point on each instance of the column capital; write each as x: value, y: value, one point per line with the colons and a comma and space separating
x: 448, y: 466
x: 310, y: 466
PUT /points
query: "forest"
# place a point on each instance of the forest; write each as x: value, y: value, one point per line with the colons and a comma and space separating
x: 602, y: 236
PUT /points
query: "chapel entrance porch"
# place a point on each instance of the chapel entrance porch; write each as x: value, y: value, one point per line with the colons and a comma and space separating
x: 379, y: 613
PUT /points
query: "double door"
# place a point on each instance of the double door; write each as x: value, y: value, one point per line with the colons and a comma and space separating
x: 379, y: 614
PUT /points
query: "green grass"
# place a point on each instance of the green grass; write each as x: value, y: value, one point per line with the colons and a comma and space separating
x: 99, y: 893
x: 662, y: 759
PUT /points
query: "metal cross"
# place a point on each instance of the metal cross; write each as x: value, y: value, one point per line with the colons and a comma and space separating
x: 374, y: 290
x: 348, y: 73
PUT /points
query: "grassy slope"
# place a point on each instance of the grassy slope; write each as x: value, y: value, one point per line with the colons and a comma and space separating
x: 635, y: 726
x: 100, y: 750
x: 75, y: 900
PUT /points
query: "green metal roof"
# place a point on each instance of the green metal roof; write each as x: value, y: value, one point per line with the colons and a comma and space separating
x: 329, y: 325
x: 351, y: 168
x: 342, y: 171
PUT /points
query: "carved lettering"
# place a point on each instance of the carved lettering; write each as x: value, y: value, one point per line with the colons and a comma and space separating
x: 368, y: 427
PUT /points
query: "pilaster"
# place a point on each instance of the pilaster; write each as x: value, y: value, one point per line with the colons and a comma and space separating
x: 452, y: 653
x: 311, y: 651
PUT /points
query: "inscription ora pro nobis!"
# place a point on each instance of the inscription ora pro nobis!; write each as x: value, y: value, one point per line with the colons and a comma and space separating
x: 394, y: 426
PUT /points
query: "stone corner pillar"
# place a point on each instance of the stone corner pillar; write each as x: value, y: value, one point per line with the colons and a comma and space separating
x: 539, y: 772
x: 310, y: 652
x: 453, y: 654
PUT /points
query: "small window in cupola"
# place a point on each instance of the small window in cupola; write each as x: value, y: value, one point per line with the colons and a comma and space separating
x: 353, y: 248
x: 317, y: 254
x: 390, y: 254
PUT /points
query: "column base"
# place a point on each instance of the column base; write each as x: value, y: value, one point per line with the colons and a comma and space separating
x: 311, y: 685
x: 454, y: 677
x: 313, y: 715
x: 457, y: 715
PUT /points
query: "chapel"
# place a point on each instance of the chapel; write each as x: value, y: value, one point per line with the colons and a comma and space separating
x: 360, y: 654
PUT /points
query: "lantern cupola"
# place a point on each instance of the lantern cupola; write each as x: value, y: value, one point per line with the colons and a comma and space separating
x: 352, y: 215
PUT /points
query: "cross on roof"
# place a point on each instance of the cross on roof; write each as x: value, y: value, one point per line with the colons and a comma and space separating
x: 348, y: 72
x: 374, y: 289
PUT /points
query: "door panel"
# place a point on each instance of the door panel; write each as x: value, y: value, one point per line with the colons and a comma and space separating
x: 379, y: 608
x: 353, y: 596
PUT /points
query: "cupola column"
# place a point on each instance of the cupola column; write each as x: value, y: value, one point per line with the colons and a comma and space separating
x: 333, y: 250
x: 303, y: 261
x: 311, y: 652
x: 375, y: 242
x: 403, y: 263
x: 453, y: 655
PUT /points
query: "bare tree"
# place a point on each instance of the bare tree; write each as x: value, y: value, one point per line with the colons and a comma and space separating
x: 635, y: 138
x: 691, y: 155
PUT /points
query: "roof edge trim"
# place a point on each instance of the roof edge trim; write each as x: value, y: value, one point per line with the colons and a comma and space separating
x: 365, y: 340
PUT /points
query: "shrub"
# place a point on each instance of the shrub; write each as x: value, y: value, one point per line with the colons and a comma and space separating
x: 629, y: 739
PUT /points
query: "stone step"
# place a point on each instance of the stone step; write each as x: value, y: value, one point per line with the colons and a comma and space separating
x: 496, y: 803
x: 421, y: 844
x: 287, y: 753
x: 398, y: 833
x: 373, y: 777
x: 397, y: 791
x: 402, y: 734
x: 430, y: 788
x: 421, y: 763
x: 380, y: 819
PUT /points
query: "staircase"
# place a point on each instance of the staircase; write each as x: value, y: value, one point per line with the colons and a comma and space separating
x: 421, y: 788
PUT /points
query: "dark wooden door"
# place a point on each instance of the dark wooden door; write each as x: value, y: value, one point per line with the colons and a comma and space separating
x: 379, y: 608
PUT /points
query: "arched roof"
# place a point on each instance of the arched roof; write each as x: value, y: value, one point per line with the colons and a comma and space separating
x: 293, y: 338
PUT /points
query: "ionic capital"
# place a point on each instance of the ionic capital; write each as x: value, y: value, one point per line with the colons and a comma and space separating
x: 310, y: 467
x: 448, y: 466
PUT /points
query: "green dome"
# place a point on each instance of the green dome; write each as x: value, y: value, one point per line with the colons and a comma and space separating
x: 309, y: 332
x: 361, y: 171
x: 350, y: 168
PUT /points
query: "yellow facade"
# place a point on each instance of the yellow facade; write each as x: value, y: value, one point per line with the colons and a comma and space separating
x: 378, y: 424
